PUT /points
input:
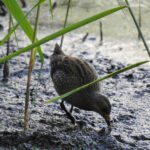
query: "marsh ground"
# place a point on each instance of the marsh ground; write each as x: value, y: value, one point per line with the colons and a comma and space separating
x: 49, y: 127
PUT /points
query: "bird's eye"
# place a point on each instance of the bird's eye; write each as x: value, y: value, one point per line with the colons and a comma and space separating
x: 105, y: 110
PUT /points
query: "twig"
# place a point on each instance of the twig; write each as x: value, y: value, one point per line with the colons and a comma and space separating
x: 85, y: 37
x: 54, y: 5
x: 101, y: 32
x: 6, y: 63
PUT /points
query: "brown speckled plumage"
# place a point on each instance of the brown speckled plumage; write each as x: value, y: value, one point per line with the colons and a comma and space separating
x: 68, y: 73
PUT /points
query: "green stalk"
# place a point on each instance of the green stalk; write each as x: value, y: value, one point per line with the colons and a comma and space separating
x: 140, y: 19
x: 18, y: 14
x: 66, y: 18
x: 98, y: 80
x: 51, y: 10
x: 138, y: 28
x: 15, y: 34
x: 31, y: 65
x: 63, y: 31
x: 20, y: 21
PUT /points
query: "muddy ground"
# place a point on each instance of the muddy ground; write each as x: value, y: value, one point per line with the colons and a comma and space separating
x: 49, y: 127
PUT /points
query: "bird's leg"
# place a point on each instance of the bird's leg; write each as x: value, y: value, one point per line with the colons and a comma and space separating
x: 68, y: 113
x: 23, y: 3
x: 71, y: 109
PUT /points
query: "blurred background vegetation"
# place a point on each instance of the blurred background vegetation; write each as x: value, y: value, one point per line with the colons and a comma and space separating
x: 118, y: 25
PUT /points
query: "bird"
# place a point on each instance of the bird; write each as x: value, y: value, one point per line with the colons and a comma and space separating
x: 68, y: 73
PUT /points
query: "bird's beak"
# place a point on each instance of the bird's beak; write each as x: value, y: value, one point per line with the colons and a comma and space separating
x: 107, y: 119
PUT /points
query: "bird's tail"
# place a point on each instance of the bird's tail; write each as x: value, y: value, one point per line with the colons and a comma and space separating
x: 57, y: 50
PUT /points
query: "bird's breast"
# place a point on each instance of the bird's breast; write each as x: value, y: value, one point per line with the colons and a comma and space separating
x: 64, y: 82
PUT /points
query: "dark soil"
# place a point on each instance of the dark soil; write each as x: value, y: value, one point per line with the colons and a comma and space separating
x: 49, y: 127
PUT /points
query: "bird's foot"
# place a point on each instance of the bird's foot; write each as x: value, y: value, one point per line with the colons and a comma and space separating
x: 81, y: 123
x: 69, y: 115
x: 73, y: 120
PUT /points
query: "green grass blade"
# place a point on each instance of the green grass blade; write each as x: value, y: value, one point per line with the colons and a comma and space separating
x: 98, y: 80
x: 15, y: 34
x: 31, y: 66
x: 17, y: 25
x: 138, y: 28
x: 71, y: 3
x: 18, y: 14
x: 65, y: 22
x: 63, y: 31
x: 51, y: 9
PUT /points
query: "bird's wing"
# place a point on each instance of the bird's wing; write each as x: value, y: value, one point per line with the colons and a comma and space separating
x: 83, y: 71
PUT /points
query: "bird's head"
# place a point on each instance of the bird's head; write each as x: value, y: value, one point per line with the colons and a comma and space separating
x: 57, y: 50
x: 103, y: 107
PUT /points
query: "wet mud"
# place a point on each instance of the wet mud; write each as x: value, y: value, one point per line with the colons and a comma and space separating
x: 49, y: 127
